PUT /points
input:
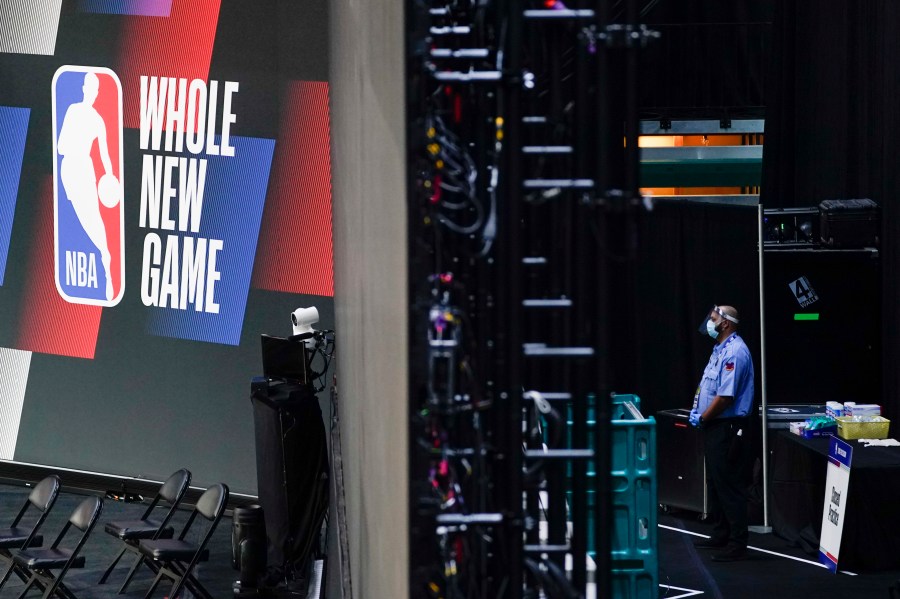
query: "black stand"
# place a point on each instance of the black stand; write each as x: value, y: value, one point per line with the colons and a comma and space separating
x: 292, y: 479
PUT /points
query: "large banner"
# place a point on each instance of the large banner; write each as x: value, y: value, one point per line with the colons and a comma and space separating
x: 165, y: 198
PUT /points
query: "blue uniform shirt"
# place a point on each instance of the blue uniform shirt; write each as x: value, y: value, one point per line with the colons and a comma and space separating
x: 728, y: 373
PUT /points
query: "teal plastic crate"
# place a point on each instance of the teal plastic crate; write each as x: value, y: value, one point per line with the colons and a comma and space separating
x: 634, y: 535
x: 634, y: 584
x: 619, y: 399
x: 618, y: 411
x: 634, y: 491
x: 634, y: 447
x: 633, y: 479
x: 634, y: 539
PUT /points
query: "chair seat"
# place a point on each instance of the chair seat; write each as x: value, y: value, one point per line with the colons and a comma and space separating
x: 47, y: 559
x: 131, y: 530
x: 171, y: 549
x: 15, y: 537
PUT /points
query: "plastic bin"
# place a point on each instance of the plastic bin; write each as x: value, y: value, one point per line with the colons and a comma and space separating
x: 633, y: 478
x: 877, y: 428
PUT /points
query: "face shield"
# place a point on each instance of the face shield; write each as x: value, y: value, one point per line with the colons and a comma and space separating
x: 702, y: 328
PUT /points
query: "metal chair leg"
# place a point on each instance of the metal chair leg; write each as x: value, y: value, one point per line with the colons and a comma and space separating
x: 176, y: 588
x: 28, y: 586
x: 196, y: 587
x: 65, y: 591
x: 112, y: 566
x: 154, y: 585
x: 51, y: 590
x: 10, y: 570
x: 6, y: 574
x: 134, y: 568
x: 54, y: 581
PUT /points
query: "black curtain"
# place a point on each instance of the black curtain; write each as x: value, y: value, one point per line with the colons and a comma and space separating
x: 833, y: 107
x: 690, y: 256
x: 710, y: 59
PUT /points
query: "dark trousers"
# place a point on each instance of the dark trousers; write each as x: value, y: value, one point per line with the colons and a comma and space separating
x: 726, y: 463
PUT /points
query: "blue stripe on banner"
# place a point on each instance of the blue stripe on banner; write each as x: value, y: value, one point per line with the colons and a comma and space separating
x: 143, y: 8
x: 13, y: 131
x: 232, y: 211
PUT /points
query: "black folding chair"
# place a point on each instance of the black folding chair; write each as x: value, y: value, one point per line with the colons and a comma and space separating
x: 131, y: 532
x: 39, y: 562
x: 42, y: 498
x: 176, y: 558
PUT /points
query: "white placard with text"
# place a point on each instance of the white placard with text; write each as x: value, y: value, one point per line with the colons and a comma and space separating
x: 836, y: 485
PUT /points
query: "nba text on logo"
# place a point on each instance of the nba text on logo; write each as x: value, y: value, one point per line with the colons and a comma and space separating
x: 180, y: 117
x: 87, y: 185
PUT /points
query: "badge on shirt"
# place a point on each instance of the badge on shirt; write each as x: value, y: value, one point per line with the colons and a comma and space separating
x: 729, y: 366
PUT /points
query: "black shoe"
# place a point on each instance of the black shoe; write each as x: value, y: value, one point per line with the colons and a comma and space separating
x: 711, y: 543
x: 732, y: 553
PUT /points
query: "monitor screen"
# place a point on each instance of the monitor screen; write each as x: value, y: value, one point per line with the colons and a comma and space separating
x: 284, y: 359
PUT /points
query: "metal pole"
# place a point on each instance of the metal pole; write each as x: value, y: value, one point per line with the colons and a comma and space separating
x: 509, y: 302
x: 579, y: 215
x: 765, y: 528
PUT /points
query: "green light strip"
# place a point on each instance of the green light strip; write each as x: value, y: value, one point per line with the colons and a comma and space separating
x: 806, y: 316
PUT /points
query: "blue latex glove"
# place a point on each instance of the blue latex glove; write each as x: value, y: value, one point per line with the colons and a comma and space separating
x: 694, y: 418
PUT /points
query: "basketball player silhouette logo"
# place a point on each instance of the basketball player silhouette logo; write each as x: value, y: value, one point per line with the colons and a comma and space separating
x: 88, y: 187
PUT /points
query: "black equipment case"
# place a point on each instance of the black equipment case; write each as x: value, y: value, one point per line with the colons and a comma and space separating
x: 849, y: 223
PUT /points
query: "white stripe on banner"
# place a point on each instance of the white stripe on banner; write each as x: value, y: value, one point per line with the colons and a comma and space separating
x: 14, y: 365
x: 29, y: 26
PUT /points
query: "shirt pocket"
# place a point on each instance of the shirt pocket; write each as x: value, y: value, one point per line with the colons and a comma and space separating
x: 711, y: 372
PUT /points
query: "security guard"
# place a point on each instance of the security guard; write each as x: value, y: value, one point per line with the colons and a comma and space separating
x: 721, y: 408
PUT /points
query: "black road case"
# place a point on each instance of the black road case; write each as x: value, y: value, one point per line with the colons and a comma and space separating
x: 681, y: 469
x: 849, y: 223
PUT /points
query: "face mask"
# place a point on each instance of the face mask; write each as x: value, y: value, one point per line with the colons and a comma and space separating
x: 711, y: 329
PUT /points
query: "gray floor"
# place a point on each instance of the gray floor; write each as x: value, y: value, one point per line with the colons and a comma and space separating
x: 216, y: 575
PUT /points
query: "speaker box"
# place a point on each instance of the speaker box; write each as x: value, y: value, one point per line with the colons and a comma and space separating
x: 248, y: 544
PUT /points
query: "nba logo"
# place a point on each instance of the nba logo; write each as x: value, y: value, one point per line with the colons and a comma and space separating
x: 88, y: 185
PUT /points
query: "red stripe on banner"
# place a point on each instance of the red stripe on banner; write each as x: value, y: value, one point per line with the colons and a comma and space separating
x: 72, y: 329
x: 107, y: 105
x: 179, y: 46
x: 295, y: 246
